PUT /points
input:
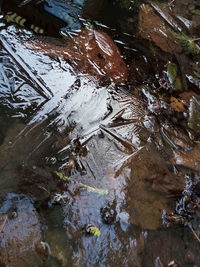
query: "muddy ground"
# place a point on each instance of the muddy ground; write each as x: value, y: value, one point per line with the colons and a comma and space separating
x: 100, y: 129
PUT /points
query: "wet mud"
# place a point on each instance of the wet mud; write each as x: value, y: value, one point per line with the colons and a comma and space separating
x: 100, y: 129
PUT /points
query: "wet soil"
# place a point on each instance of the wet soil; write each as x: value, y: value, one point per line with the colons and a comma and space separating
x: 20, y: 231
x: 103, y: 133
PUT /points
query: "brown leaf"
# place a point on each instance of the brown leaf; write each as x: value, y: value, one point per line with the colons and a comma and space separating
x: 177, y: 104
x: 153, y: 28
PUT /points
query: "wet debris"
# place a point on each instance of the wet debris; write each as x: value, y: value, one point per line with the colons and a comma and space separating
x: 189, y: 159
x: 37, y: 82
x: 43, y: 250
x: 177, y: 104
x: 190, y: 257
x: 91, y: 189
x: 173, y: 264
x: 109, y: 213
x: 3, y: 220
x: 78, y: 149
x: 153, y: 28
x: 92, y: 230
x: 188, y: 43
x: 173, y: 76
x: 62, y: 198
x: 194, y: 114
x: 176, y: 138
x: 50, y: 161
x: 20, y: 96
x: 174, y: 219
x: 187, y: 209
x: 69, y: 164
x: 20, y: 231
x: 92, y: 52
x: 161, y: 174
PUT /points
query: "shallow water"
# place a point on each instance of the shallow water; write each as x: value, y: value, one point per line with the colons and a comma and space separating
x: 102, y: 135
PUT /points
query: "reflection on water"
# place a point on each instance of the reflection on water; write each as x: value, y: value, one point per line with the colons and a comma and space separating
x: 98, y: 134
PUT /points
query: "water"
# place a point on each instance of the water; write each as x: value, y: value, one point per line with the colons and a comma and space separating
x: 101, y: 134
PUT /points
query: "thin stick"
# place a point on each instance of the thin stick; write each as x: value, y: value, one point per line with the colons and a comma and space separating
x: 43, y: 188
x: 171, y: 2
x: 195, y: 39
x: 44, y: 90
x: 23, y: 3
x: 3, y: 224
x: 194, y: 233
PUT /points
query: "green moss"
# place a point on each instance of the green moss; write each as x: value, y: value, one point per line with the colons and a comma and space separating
x: 195, y: 12
x: 178, y: 84
x: 194, y: 115
x: 172, y: 71
x: 196, y: 71
x: 187, y: 43
x: 197, y: 74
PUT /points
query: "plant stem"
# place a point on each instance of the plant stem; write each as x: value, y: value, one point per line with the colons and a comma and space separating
x: 194, y: 233
x: 195, y: 39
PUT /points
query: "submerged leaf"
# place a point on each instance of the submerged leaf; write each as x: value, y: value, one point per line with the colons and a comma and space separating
x: 178, y: 84
x: 93, y: 230
x: 167, y: 139
x: 196, y: 71
x: 100, y: 191
x: 61, y: 176
x: 174, y: 79
x: 197, y: 74
x: 194, y: 115
x: 195, y: 12
x: 95, y: 190
x: 172, y: 71
x: 177, y: 104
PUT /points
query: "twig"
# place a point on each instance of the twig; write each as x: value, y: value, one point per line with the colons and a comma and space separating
x: 194, y: 233
x: 195, y: 39
x: 171, y: 2
x: 4, y: 223
x: 43, y: 188
x: 44, y: 90
x: 119, y: 138
x: 23, y: 3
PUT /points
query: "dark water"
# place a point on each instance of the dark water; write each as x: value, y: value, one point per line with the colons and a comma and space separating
x: 101, y: 134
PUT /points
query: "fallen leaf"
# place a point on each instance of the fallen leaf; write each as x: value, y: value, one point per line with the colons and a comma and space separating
x: 177, y: 104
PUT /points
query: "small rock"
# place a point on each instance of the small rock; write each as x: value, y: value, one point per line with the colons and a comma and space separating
x: 108, y: 214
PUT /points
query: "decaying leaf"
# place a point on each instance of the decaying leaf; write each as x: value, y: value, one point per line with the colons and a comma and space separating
x: 177, y: 104
x: 152, y: 27
x: 188, y: 159
x: 90, y: 52
x: 195, y: 12
x: 172, y: 71
x: 174, y: 79
x: 87, y: 187
x: 95, y: 190
x: 93, y: 230
x: 63, y: 177
x: 194, y: 115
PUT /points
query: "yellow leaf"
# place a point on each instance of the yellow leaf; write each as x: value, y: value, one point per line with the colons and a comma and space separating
x: 93, y: 230
x: 177, y: 104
